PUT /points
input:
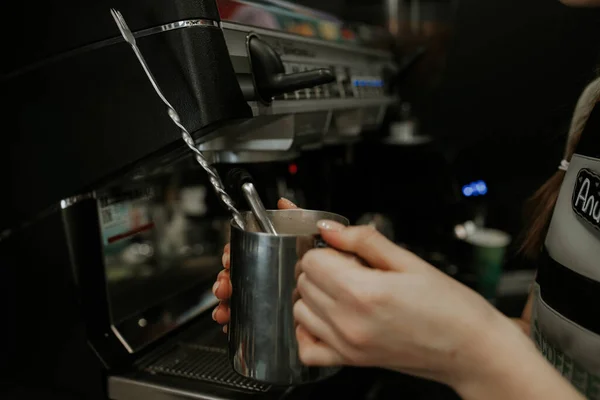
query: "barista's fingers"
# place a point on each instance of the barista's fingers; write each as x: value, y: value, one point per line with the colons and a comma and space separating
x: 222, y: 287
x: 221, y: 313
x: 372, y: 247
x: 285, y: 204
x: 298, y: 269
x: 303, y: 246
x: 317, y: 300
x: 295, y: 296
x: 224, y: 274
x: 313, y: 323
x: 334, y: 272
x: 314, y: 352
x: 226, y: 257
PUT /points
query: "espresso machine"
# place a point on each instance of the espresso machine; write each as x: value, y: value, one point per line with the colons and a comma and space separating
x: 110, y: 232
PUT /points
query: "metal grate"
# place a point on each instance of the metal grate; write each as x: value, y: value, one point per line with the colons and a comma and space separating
x: 203, y: 363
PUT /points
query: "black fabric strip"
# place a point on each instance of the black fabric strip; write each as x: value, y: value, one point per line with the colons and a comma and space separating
x: 572, y: 295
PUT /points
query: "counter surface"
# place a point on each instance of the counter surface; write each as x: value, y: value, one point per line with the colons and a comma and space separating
x: 171, y: 373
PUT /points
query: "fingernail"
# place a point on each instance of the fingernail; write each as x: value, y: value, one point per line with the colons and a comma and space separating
x: 214, y: 313
x: 289, y: 203
x: 215, y: 287
x: 329, y: 225
x: 226, y: 259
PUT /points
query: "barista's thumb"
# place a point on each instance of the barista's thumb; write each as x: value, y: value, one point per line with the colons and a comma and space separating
x: 366, y: 243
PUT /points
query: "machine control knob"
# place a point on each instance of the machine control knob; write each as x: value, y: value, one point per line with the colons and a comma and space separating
x: 270, y: 78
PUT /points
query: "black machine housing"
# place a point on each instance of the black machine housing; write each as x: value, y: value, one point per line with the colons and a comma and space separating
x: 82, y: 110
x: 85, y: 131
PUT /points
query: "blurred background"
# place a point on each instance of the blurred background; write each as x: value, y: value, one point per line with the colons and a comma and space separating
x: 486, y: 98
x: 485, y: 91
x: 495, y: 86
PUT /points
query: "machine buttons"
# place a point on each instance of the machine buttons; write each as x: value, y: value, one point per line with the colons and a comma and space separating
x: 367, y: 86
x: 349, y: 83
x: 271, y: 78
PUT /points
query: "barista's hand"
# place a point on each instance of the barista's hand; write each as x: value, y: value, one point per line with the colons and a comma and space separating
x: 222, y: 287
x: 401, y: 314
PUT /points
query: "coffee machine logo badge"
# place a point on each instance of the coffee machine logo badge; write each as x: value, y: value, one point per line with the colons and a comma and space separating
x: 586, y: 197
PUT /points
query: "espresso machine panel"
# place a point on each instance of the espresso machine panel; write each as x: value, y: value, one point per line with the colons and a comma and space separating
x: 109, y: 227
x: 144, y: 257
x: 340, y: 92
x: 82, y: 110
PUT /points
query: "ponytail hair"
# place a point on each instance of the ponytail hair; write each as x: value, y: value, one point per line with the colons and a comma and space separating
x: 540, y: 206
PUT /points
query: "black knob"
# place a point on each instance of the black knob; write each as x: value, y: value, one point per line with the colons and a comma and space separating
x: 236, y: 177
x: 270, y: 78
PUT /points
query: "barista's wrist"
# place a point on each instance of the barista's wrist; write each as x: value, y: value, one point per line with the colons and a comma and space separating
x: 488, y: 357
x: 504, y: 363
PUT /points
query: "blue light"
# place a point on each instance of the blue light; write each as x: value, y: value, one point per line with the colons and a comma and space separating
x: 367, y: 82
x: 474, y: 189
x: 478, y: 188
x: 481, y: 186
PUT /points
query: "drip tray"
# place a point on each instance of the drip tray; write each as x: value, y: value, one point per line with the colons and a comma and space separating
x: 193, y: 365
x: 203, y: 363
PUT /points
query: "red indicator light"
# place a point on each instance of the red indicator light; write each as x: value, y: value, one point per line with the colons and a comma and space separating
x: 293, y: 169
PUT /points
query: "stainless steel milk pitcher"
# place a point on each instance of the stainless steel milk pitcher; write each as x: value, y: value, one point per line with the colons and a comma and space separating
x: 261, y: 331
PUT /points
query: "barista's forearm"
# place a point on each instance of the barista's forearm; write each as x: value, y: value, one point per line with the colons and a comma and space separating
x: 522, y: 324
x: 508, y: 366
x: 525, y: 321
x: 536, y: 380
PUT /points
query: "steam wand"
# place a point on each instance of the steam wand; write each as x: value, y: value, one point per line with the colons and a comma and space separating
x: 241, y: 183
x: 215, y: 180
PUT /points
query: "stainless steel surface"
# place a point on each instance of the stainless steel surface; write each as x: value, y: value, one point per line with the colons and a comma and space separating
x: 268, y: 133
x: 262, y: 340
x: 240, y: 157
x: 324, y: 115
x: 160, y: 254
x: 286, y: 127
x: 69, y: 201
x: 122, y: 388
x: 244, y: 29
x: 215, y: 180
x: 258, y: 208
x: 189, y: 23
x: 186, y: 23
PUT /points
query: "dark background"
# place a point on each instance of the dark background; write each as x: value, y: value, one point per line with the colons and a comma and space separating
x: 499, y: 107
x: 501, y: 104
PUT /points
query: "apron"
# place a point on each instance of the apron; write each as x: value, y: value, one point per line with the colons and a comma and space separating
x: 566, y: 311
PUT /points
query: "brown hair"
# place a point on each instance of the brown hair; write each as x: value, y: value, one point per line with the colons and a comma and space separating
x: 540, y: 206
